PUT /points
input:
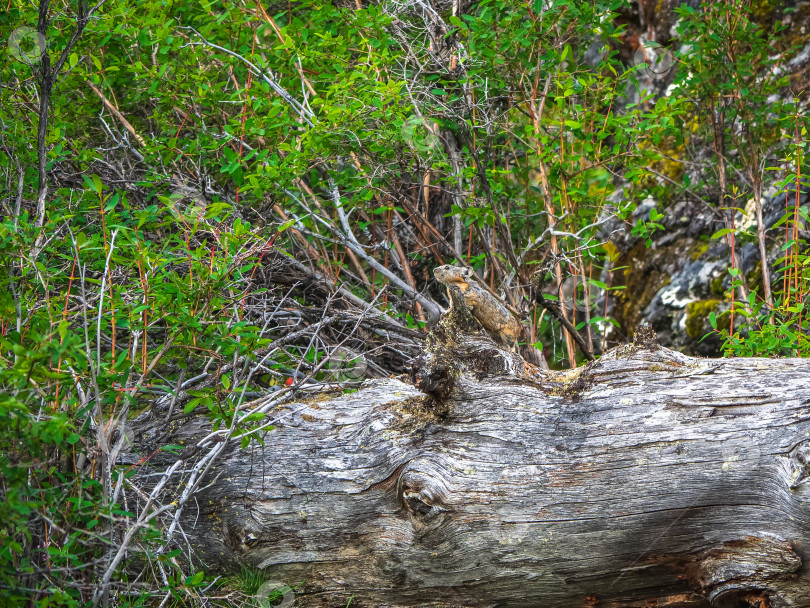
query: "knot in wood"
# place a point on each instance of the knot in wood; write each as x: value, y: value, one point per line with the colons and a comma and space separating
x: 422, y: 490
x: 799, y: 465
x: 744, y: 566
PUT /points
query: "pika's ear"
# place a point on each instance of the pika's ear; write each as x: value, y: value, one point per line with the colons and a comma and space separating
x: 467, y: 273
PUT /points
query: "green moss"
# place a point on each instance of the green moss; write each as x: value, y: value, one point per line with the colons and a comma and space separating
x: 416, y: 413
x: 753, y: 279
x: 698, y: 250
x: 697, y: 317
x: 762, y: 10
x: 642, y: 280
x: 716, y: 286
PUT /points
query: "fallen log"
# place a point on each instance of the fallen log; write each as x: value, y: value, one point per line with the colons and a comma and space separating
x: 646, y: 478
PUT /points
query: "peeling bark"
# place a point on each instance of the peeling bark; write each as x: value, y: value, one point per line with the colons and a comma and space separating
x: 647, y: 478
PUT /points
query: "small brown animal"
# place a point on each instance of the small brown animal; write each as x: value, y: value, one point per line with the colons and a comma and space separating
x: 486, y: 308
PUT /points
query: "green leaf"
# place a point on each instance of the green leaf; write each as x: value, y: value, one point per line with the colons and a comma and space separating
x: 286, y: 225
x: 253, y: 416
x: 113, y: 201
x: 721, y: 233
x: 196, y: 579
x: 63, y: 327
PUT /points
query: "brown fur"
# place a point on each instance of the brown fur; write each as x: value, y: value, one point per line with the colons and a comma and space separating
x: 486, y: 308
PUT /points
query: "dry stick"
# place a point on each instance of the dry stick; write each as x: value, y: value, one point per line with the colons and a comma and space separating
x: 558, y: 271
x: 536, y: 118
x: 46, y: 78
x: 604, y: 314
x: 443, y: 241
x: 202, y: 467
x: 359, y: 268
x: 586, y: 288
x: 506, y: 238
x: 421, y: 237
x: 270, y: 20
x: 114, y: 111
x: 406, y: 269
x: 492, y: 248
x: 718, y: 131
x: 554, y: 309
x: 426, y: 192
x: 455, y: 162
x: 101, y: 300
x: 763, y: 252
x: 421, y: 223
x: 347, y: 238
x: 385, y: 239
x: 143, y: 520
x: 756, y: 178
x: 306, y: 190
x: 313, y: 253
x: 98, y: 412
x: 499, y: 227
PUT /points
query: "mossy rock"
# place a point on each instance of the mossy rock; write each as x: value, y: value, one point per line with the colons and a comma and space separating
x: 697, y: 251
x: 753, y: 279
x: 643, y: 279
x: 697, y: 317
x: 716, y: 286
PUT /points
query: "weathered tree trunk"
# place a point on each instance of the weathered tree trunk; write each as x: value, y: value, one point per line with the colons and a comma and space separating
x: 647, y: 478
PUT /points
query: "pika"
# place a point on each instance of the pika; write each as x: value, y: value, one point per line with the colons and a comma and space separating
x: 486, y: 308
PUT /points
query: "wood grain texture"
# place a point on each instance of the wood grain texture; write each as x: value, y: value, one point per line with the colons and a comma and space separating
x: 647, y: 478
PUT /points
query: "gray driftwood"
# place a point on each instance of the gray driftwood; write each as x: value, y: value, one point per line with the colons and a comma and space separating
x: 645, y: 479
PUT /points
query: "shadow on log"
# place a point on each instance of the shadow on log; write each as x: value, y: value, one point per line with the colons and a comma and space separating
x: 647, y: 478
